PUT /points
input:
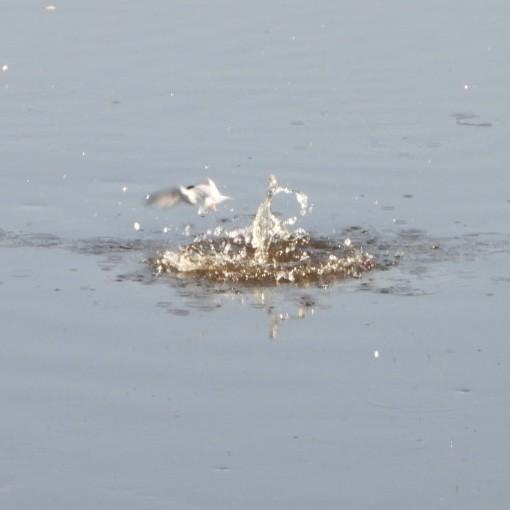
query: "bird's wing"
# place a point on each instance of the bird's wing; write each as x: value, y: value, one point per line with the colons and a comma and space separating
x: 207, y: 190
x: 167, y: 198
x: 213, y: 187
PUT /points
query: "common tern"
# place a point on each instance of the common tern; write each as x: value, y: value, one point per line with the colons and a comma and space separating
x: 206, y: 196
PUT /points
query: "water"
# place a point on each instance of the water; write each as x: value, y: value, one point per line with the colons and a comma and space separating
x: 266, y: 252
x: 131, y: 381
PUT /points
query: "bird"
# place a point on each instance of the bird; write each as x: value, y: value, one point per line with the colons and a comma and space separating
x: 206, y: 196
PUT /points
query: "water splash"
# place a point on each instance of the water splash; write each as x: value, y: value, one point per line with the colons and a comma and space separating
x: 266, y: 252
x: 266, y: 228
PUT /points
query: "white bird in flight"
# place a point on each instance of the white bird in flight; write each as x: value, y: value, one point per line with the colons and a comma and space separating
x: 206, y: 196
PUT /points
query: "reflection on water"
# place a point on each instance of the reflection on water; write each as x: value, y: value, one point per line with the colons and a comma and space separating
x: 279, y: 307
x: 266, y: 252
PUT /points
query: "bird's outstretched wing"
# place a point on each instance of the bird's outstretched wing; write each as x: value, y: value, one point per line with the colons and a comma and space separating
x: 206, y: 196
x: 167, y: 198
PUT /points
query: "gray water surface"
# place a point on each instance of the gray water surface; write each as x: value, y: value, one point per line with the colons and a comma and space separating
x: 126, y: 389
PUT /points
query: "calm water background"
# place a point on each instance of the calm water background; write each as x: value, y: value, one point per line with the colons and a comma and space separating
x: 131, y: 392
